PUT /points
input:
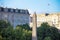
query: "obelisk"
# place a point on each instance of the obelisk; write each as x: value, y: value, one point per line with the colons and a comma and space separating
x: 34, y: 28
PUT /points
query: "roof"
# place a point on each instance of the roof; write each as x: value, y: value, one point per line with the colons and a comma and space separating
x: 22, y: 11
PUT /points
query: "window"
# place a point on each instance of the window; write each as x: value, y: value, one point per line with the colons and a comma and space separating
x: 2, y: 9
x: 31, y: 19
x: 13, y: 10
x: 18, y: 11
x: 21, y: 11
x: 27, y: 11
x: 54, y: 21
x: 46, y: 14
x: 9, y: 10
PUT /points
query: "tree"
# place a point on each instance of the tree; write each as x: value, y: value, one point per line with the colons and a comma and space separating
x: 25, y: 26
x: 0, y: 37
x: 7, y: 34
x: 21, y: 32
x: 45, y: 30
x: 5, y: 29
x: 47, y: 38
x: 3, y: 25
x: 18, y: 32
x: 25, y: 32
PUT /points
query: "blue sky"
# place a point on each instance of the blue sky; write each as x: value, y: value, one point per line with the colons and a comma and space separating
x: 33, y: 5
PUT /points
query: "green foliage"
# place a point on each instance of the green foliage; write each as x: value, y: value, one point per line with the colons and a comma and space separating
x: 3, y: 25
x: 47, y: 31
x: 24, y: 26
x: 23, y: 32
x: 47, y: 38
x: 0, y: 37
x: 7, y: 33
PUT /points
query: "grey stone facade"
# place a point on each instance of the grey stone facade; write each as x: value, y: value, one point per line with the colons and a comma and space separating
x: 14, y: 16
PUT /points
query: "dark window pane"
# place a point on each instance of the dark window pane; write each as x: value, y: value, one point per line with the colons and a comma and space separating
x: 2, y: 9
x: 27, y: 12
x: 18, y: 11
x: 31, y: 19
x: 13, y: 10
x: 46, y: 14
x: 9, y: 10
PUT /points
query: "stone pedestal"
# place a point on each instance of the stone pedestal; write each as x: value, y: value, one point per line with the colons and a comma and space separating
x: 34, y: 28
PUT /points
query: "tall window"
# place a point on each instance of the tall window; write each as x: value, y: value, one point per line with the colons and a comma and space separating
x: 18, y: 11
x: 13, y: 10
x: 2, y: 9
x: 27, y: 12
x: 9, y: 10
x: 54, y: 21
x: 21, y: 11
x: 31, y: 19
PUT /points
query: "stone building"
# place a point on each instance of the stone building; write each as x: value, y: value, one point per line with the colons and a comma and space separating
x: 52, y: 19
x: 14, y: 16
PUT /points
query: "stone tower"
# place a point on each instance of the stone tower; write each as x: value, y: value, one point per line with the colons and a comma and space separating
x: 34, y: 28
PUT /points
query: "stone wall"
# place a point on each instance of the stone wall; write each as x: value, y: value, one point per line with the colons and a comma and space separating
x: 53, y: 19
